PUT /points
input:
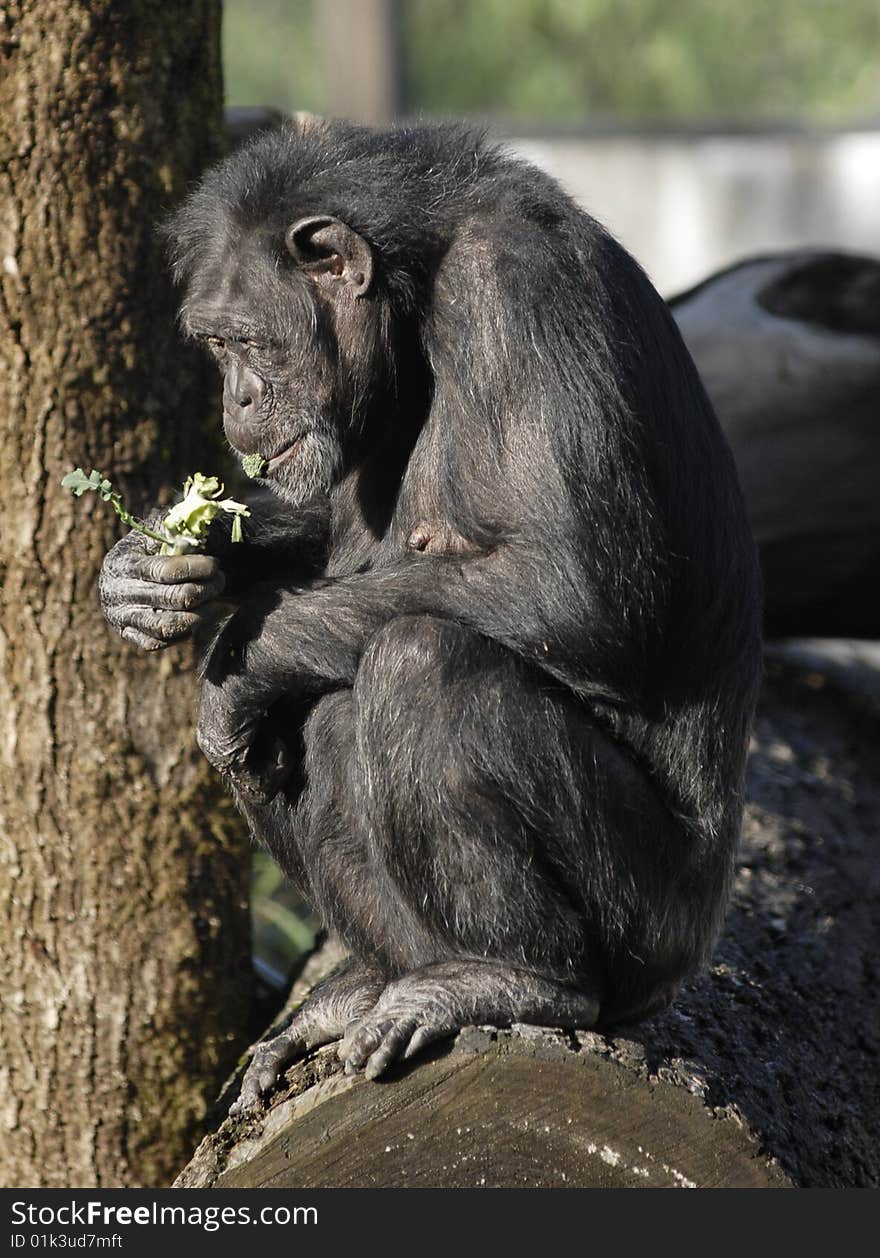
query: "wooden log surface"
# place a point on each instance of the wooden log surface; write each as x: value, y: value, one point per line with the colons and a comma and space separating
x: 764, y: 1073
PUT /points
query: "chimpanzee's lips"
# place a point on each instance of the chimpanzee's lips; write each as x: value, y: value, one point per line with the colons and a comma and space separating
x: 283, y: 455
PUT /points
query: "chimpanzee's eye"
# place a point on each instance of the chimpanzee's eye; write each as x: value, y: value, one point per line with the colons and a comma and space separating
x: 216, y: 342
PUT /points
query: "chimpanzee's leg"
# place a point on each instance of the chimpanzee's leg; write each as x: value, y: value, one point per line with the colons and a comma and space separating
x: 499, y: 853
x: 469, y: 831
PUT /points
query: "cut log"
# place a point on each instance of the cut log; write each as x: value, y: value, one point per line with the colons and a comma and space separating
x: 764, y: 1073
x: 789, y: 350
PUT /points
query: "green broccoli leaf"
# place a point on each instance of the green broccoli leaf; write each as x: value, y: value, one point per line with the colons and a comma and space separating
x: 185, y: 527
x: 254, y: 465
x: 80, y: 483
x: 188, y: 521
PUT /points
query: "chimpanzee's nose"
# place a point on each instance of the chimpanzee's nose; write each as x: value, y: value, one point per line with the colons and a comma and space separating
x: 242, y: 391
x: 241, y: 394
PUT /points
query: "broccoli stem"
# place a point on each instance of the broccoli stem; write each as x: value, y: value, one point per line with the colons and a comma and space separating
x: 127, y: 518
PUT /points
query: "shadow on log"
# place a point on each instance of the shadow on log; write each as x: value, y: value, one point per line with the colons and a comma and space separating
x: 765, y: 1072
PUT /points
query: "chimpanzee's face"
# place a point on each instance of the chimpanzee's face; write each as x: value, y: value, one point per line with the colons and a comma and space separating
x: 295, y: 333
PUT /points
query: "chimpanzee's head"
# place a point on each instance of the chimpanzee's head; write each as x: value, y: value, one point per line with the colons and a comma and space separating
x: 296, y: 304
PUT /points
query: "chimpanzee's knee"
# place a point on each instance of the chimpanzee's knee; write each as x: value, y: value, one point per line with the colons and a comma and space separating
x: 413, y: 684
x: 410, y: 649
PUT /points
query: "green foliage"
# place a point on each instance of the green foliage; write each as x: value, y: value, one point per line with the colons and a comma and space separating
x: 645, y: 59
x: 574, y: 60
x: 253, y: 465
x: 80, y: 484
x: 190, y: 519
x: 284, y: 928
x: 270, y: 54
x: 185, y: 527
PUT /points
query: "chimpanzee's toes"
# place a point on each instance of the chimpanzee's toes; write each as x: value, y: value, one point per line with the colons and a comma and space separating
x: 374, y: 1046
x: 266, y: 1067
x: 337, y: 1002
x: 395, y: 1029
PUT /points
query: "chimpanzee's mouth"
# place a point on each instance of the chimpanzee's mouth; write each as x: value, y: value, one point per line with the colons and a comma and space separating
x: 284, y: 455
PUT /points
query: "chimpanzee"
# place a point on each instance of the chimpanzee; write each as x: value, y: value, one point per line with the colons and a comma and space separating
x: 486, y: 674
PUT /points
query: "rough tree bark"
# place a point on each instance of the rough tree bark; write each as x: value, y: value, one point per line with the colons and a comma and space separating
x: 123, y: 953
x: 763, y: 1074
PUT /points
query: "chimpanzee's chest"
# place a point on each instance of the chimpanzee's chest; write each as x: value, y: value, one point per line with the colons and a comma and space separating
x: 429, y: 504
x: 413, y: 532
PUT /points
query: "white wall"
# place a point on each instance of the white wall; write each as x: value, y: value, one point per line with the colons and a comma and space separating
x: 687, y: 205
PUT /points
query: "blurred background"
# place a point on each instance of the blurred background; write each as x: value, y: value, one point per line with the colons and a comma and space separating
x: 697, y: 131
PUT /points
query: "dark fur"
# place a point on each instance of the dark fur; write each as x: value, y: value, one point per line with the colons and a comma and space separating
x: 516, y: 754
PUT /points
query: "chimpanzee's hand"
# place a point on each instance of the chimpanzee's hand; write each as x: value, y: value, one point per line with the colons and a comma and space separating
x: 238, y: 738
x: 152, y: 599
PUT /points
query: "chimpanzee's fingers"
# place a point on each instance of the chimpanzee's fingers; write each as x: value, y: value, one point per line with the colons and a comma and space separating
x: 162, y: 626
x: 263, y: 771
x: 136, y: 638
x: 170, y: 569
x: 185, y: 596
x: 132, y: 562
x: 225, y: 732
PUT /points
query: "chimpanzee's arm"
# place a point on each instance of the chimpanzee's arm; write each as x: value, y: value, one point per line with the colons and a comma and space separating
x: 309, y: 641
x: 312, y: 638
x: 278, y: 542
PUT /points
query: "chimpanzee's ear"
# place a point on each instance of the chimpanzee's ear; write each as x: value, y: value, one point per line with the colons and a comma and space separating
x: 330, y: 248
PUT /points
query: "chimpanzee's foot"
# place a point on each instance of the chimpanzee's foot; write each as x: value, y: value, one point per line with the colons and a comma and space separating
x: 348, y: 994
x: 437, y: 1000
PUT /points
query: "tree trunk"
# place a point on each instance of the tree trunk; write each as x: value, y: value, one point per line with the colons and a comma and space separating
x: 123, y: 954
x: 765, y: 1073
